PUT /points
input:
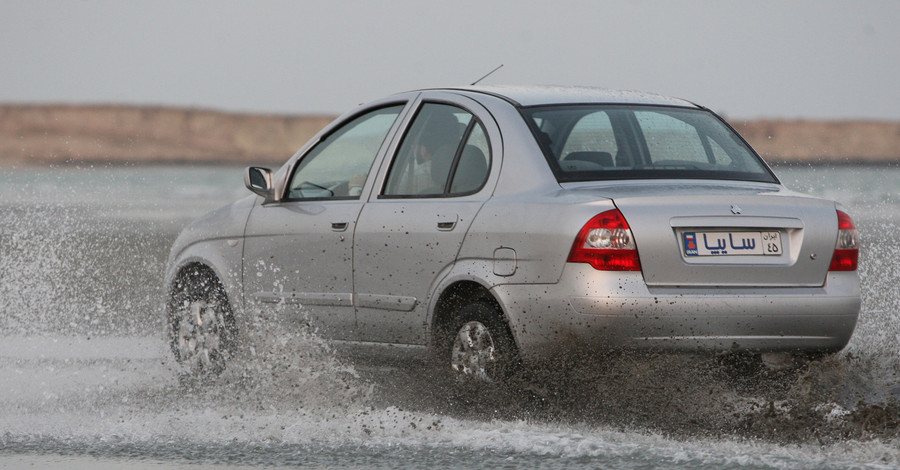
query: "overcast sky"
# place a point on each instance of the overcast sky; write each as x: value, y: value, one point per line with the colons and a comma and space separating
x: 747, y: 59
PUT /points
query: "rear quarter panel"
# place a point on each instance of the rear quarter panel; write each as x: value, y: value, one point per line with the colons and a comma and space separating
x: 539, y: 228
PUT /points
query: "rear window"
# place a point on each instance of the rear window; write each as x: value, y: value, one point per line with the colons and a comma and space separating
x: 595, y: 142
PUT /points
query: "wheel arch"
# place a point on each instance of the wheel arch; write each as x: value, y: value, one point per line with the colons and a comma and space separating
x: 217, y: 259
x: 193, y: 269
x: 452, y: 298
x: 188, y: 272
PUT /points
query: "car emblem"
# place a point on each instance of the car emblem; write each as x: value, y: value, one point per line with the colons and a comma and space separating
x: 735, y: 209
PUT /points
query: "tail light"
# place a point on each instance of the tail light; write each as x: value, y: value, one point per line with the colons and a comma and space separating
x: 846, y: 250
x: 605, y: 243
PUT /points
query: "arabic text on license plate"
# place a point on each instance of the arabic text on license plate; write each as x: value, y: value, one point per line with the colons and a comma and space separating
x: 731, y: 243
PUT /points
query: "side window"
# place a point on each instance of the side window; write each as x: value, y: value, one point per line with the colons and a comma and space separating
x: 445, y: 152
x: 671, y: 140
x: 591, y: 144
x: 474, y: 163
x: 337, y: 167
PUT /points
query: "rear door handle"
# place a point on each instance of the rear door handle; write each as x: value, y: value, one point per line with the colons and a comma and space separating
x: 447, y: 222
x: 339, y: 226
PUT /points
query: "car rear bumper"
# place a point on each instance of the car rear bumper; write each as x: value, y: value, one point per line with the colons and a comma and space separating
x: 594, y: 310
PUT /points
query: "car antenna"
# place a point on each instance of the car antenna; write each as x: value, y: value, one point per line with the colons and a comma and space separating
x: 486, y: 75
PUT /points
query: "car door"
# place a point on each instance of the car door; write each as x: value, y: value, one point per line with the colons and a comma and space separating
x: 298, y: 252
x: 411, y: 230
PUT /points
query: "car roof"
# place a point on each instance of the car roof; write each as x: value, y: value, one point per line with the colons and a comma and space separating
x: 546, y: 95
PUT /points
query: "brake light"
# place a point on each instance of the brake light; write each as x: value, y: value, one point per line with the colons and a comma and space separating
x: 846, y: 249
x: 605, y: 243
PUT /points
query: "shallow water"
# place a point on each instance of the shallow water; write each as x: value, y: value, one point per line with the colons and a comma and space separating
x: 88, y: 380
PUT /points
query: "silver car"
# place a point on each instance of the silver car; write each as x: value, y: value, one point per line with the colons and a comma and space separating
x: 487, y: 225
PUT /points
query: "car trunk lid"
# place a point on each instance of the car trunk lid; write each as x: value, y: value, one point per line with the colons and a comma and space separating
x: 721, y: 234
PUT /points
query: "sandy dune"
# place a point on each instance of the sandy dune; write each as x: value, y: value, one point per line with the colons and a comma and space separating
x: 44, y: 134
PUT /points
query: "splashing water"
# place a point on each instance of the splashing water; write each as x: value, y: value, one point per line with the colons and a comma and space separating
x: 90, y: 373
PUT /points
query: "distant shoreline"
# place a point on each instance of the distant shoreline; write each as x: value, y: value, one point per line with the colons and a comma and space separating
x: 835, y: 163
x: 70, y: 135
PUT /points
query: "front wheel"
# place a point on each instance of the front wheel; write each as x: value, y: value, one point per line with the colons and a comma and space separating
x: 482, y: 349
x: 201, y: 327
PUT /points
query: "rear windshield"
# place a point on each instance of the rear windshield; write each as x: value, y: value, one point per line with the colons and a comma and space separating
x: 596, y: 142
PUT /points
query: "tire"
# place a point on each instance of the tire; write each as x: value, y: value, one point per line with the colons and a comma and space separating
x: 481, y: 348
x: 201, y: 326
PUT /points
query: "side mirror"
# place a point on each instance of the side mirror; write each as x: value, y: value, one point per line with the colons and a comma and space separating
x: 259, y: 180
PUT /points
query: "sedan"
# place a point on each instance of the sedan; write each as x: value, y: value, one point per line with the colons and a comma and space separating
x: 491, y: 226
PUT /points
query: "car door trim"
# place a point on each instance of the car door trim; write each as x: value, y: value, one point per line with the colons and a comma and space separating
x: 386, y: 302
x: 340, y: 299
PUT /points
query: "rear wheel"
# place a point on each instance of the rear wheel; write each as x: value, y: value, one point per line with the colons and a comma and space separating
x: 201, y: 326
x: 481, y: 349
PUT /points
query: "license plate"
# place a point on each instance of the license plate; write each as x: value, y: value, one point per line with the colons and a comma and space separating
x: 731, y: 243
